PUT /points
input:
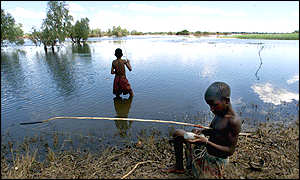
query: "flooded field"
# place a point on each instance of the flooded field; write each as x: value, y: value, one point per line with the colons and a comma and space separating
x: 170, y: 75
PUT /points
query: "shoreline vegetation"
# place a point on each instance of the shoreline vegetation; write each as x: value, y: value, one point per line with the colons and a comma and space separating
x: 239, y: 35
x: 272, y: 151
x: 119, y: 32
x: 56, y: 29
x: 283, y: 36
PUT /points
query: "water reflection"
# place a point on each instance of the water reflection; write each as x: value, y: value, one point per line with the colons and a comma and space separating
x: 122, y: 107
x: 117, y: 41
x: 257, y: 77
x: 12, y: 72
x: 268, y: 94
x: 294, y: 79
x: 83, y: 49
x: 61, y: 69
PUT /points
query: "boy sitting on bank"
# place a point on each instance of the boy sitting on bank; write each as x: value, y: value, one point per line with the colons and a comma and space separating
x: 208, y: 156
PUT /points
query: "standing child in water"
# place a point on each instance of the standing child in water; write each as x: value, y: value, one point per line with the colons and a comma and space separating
x: 206, y: 157
x: 121, y: 84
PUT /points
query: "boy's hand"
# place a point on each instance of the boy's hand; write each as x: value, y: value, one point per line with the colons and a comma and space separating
x: 196, y: 131
x: 198, y: 139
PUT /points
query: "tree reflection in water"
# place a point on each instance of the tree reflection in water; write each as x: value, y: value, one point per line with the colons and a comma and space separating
x: 261, y: 48
x: 83, y: 49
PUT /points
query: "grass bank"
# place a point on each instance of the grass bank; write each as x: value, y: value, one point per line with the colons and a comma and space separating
x: 271, y: 152
x: 285, y: 36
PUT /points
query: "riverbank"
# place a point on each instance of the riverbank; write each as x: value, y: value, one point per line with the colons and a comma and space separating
x: 284, y: 36
x: 271, y: 36
x: 271, y: 152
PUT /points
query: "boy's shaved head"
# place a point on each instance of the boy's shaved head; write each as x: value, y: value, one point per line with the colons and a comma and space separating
x: 217, y: 90
x: 118, y: 53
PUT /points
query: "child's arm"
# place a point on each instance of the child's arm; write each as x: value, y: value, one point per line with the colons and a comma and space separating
x: 112, y: 71
x: 128, y: 65
x: 232, y: 138
x: 206, y: 132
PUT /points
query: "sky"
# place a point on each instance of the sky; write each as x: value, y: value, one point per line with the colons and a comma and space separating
x: 165, y: 16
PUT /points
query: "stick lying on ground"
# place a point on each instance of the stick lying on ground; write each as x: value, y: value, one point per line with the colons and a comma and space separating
x: 135, y: 168
x: 123, y: 119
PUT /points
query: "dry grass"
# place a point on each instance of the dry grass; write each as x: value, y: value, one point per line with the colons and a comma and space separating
x: 273, y: 152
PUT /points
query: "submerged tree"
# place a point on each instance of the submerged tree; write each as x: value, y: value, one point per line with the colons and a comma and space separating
x: 35, y: 37
x: 55, y: 27
x: 41, y: 37
x: 10, y: 30
x: 80, y: 31
x: 57, y: 24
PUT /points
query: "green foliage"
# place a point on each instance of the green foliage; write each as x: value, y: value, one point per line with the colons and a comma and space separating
x: 115, y: 31
x: 80, y: 30
x: 279, y: 36
x: 171, y: 33
x: 41, y: 37
x: 35, y: 37
x: 157, y: 33
x: 109, y: 32
x: 134, y: 32
x: 118, y: 31
x: 205, y: 33
x: 57, y: 24
x: 10, y: 30
x: 96, y: 33
x: 18, y: 34
x: 184, y: 32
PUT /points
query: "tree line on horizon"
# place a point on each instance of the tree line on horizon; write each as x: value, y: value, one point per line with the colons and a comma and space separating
x: 57, y: 27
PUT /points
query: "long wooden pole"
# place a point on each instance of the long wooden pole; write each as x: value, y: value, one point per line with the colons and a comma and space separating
x: 119, y: 119
x: 122, y: 119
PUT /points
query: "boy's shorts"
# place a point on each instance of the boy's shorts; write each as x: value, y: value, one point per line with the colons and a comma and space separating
x: 121, y: 85
x: 203, y: 164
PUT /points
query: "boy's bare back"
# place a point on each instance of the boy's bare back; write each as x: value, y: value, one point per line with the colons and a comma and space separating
x: 118, y: 66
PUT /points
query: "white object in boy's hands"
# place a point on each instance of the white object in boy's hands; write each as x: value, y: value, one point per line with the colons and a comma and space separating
x: 190, y: 135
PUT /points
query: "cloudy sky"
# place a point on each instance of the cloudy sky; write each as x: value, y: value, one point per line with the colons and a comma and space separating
x: 156, y: 16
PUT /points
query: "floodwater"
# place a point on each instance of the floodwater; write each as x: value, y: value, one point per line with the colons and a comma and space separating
x: 169, y: 78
